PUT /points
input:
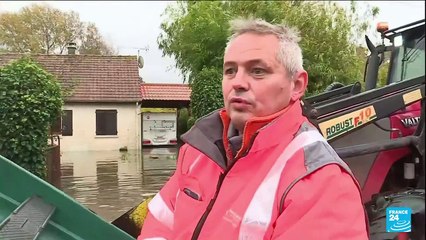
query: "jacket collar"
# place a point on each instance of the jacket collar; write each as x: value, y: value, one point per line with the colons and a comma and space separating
x: 210, y: 133
x: 279, y: 122
x: 282, y: 129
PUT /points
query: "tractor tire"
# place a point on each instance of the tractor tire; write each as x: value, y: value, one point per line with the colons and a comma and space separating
x: 376, y: 209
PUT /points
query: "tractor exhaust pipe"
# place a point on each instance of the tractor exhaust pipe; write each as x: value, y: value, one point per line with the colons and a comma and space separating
x: 373, y: 63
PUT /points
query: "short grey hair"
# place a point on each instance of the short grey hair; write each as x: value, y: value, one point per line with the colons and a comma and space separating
x: 289, y: 54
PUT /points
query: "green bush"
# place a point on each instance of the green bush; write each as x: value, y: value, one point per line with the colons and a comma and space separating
x: 183, y: 121
x: 206, y: 94
x: 30, y: 101
x: 191, y: 122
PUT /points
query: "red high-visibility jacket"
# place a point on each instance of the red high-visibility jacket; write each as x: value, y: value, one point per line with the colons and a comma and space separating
x: 286, y: 182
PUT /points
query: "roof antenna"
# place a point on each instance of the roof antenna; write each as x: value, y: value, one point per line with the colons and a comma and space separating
x: 141, y: 61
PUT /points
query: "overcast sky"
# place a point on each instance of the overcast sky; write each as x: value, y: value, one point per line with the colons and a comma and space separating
x: 132, y: 25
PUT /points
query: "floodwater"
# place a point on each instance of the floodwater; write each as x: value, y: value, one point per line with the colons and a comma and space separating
x: 111, y: 182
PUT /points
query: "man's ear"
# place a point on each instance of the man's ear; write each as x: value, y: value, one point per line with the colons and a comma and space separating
x: 300, y: 83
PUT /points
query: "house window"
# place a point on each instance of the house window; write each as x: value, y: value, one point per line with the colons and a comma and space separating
x: 67, y: 123
x: 106, y: 122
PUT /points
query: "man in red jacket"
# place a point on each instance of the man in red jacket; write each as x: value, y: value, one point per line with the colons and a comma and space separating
x: 257, y: 169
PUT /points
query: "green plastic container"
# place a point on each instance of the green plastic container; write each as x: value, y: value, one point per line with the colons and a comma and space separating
x: 70, y: 220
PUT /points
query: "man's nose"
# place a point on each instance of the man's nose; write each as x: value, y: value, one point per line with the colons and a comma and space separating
x: 240, y: 81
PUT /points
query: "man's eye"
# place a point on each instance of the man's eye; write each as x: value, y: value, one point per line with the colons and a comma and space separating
x: 258, y: 71
x: 230, y: 71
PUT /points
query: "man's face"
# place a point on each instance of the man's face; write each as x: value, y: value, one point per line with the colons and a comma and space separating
x: 255, y: 83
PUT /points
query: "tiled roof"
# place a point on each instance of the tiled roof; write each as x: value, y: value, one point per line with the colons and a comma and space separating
x: 171, y: 92
x: 95, y: 78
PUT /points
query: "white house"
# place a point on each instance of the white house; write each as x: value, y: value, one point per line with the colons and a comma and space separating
x: 102, y: 111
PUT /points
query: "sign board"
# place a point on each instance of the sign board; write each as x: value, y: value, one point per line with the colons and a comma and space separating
x: 158, y: 110
x: 338, y: 126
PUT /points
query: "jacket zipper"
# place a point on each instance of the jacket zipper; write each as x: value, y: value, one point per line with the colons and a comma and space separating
x: 222, y: 176
x: 203, y: 218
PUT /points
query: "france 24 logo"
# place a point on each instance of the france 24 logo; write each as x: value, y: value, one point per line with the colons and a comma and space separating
x: 398, y: 219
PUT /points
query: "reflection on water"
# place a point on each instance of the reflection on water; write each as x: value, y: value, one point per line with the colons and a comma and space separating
x: 110, y: 182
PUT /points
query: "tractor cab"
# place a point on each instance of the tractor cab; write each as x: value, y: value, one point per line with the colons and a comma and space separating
x: 407, y: 54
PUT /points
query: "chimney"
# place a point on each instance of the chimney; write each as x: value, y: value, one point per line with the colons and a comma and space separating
x: 72, y: 46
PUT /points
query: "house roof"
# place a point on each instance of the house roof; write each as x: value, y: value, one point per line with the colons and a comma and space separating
x: 165, y: 92
x: 93, y: 78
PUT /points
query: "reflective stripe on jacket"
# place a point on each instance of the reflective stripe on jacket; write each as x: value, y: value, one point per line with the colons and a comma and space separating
x: 289, y: 184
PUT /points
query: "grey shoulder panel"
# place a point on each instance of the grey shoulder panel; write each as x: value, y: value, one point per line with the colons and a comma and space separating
x: 320, y: 154
x: 317, y: 155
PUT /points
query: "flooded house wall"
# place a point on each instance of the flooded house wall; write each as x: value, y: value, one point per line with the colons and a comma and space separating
x: 100, y: 127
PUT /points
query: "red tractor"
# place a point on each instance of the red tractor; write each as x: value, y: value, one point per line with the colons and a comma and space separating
x: 379, y: 132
